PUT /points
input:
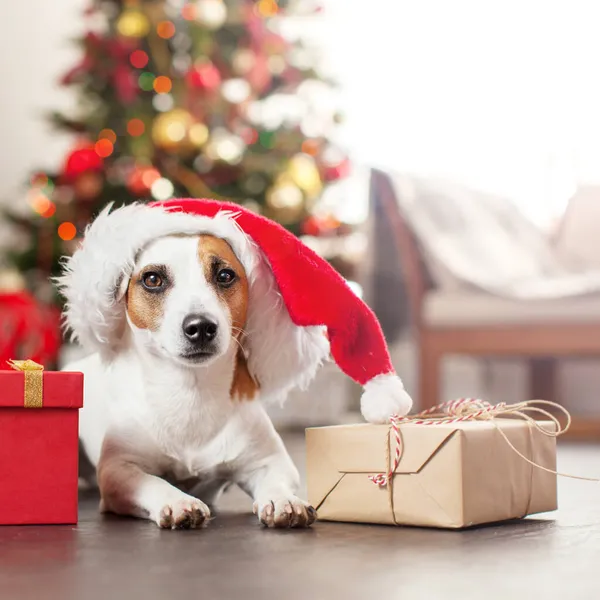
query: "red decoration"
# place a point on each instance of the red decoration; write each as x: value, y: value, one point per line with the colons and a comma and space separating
x: 39, y: 450
x: 126, y: 85
x: 28, y: 329
x: 205, y: 77
x: 83, y: 159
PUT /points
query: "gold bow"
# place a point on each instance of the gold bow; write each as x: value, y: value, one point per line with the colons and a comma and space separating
x: 34, y: 382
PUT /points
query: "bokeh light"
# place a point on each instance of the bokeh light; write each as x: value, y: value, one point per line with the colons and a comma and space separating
x: 149, y: 177
x: 108, y: 134
x: 39, y: 179
x: 176, y: 131
x: 267, y: 139
x: 146, y: 81
x: 133, y: 23
x: 39, y: 202
x: 139, y: 59
x: 211, y: 13
x: 198, y: 134
x: 236, y: 90
x: 188, y: 12
x: 162, y: 189
x: 162, y: 85
x: 249, y: 135
x: 103, y: 147
x: 310, y: 147
x: 165, y: 30
x: 135, y: 127
x: 66, y: 231
x: 163, y: 102
x: 49, y: 212
x: 267, y: 8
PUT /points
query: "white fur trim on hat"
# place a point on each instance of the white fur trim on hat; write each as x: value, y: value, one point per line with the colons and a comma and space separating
x: 383, y: 397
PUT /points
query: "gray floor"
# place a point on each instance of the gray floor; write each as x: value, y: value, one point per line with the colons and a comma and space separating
x: 553, y: 556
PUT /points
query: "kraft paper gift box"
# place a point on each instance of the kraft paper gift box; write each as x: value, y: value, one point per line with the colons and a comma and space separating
x: 450, y: 476
x: 39, y: 445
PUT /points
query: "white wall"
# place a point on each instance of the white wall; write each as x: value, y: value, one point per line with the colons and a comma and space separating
x: 35, y: 50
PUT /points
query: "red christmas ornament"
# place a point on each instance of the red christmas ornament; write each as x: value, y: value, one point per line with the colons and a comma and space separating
x: 83, y: 159
x: 205, y: 77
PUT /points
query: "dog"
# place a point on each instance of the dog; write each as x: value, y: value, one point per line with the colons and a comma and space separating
x: 191, y: 338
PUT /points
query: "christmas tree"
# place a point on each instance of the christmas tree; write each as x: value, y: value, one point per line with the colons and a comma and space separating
x: 178, y: 98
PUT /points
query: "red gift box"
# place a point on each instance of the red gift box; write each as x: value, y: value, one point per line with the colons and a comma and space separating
x: 39, y: 445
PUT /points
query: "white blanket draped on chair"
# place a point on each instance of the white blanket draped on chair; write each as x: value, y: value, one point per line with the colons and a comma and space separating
x: 483, y: 242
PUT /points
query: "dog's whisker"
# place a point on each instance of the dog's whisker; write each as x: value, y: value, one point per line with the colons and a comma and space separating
x: 238, y: 343
x: 239, y: 330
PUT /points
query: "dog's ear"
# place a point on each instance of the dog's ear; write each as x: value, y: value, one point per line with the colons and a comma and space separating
x: 281, y: 355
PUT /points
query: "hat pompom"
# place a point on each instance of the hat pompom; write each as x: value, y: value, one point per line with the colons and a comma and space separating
x: 383, y: 397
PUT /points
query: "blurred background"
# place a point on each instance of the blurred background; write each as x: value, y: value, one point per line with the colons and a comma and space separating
x: 444, y: 157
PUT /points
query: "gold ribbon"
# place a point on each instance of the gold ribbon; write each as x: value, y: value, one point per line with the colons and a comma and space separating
x: 34, y: 382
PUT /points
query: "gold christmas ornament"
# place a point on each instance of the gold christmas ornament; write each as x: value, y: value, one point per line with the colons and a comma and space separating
x: 285, y: 200
x: 170, y: 130
x: 303, y: 171
x: 198, y: 134
x: 133, y: 23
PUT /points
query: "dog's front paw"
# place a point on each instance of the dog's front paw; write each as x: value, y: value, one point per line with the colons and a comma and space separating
x: 183, y: 513
x: 285, y: 513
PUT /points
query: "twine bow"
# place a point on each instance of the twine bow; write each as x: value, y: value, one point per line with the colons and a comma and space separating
x: 473, y: 409
x: 33, y: 392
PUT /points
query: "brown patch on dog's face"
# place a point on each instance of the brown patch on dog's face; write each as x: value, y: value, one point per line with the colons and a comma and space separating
x: 146, y: 294
x: 225, y: 273
x: 243, y: 386
x: 216, y: 257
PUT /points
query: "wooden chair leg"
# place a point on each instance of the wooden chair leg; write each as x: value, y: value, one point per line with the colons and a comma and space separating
x: 429, y: 377
x: 543, y: 383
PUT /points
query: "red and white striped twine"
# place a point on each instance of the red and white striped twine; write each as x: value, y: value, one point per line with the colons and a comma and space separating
x: 473, y: 409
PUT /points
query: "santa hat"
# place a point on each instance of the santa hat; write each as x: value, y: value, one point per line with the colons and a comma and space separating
x: 294, y: 294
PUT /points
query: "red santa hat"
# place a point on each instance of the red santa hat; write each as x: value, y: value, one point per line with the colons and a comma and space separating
x: 296, y: 293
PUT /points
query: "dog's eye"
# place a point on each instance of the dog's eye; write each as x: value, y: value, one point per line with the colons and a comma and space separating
x: 225, y: 277
x: 152, y: 280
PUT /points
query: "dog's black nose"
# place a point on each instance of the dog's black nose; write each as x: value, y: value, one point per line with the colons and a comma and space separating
x: 199, y: 330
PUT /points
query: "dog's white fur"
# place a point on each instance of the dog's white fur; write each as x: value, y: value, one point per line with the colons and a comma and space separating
x: 149, y: 416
